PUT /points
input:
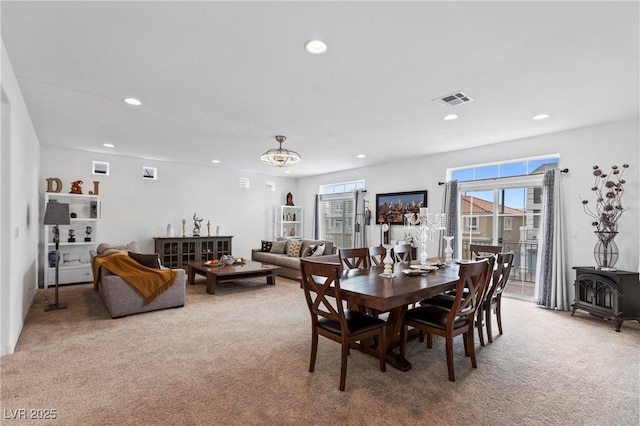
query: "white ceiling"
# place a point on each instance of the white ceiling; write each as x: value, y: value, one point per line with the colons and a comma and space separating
x: 218, y: 80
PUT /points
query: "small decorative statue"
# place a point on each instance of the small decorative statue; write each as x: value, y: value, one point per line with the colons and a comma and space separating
x: 208, y: 228
x: 196, y: 225
x: 289, y: 199
x: 72, y: 236
x: 76, y: 187
x: 184, y: 228
x: 88, y: 231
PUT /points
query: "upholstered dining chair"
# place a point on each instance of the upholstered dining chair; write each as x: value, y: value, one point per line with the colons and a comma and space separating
x: 355, y: 258
x: 458, y: 319
x: 321, y: 284
x: 493, y: 297
x: 377, y: 254
x: 402, y: 253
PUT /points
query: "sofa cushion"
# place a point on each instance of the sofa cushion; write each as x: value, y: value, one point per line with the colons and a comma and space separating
x: 293, y: 249
x: 278, y: 247
x: 266, y: 245
x: 151, y: 260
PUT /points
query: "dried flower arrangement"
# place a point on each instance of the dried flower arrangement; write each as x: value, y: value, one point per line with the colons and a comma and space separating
x: 608, y: 207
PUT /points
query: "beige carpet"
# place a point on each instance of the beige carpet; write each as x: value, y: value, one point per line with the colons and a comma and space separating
x: 241, y: 357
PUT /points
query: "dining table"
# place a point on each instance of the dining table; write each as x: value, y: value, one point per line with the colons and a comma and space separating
x: 365, y: 288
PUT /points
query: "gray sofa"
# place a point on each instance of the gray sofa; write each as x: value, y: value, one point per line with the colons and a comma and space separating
x: 291, y: 265
x: 121, y: 299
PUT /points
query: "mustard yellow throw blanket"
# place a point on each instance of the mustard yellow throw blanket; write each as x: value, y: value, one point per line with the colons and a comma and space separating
x: 149, y: 282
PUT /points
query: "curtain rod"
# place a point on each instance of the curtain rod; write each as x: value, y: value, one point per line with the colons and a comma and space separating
x: 561, y: 171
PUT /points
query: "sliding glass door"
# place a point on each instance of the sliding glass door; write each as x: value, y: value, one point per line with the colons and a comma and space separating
x: 508, y: 216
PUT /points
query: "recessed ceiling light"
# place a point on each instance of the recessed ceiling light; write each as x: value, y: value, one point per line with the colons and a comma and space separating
x: 132, y: 101
x: 450, y: 117
x: 108, y: 145
x: 541, y: 117
x: 215, y: 161
x: 361, y: 156
x: 287, y: 171
x: 316, y: 47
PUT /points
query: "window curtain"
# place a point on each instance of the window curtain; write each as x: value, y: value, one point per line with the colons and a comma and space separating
x: 450, y: 207
x: 552, y: 285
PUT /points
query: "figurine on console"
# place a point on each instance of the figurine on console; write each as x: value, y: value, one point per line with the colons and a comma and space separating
x: 76, y: 187
x: 196, y: 225
x: 88, y: 231
x: 72, y: 236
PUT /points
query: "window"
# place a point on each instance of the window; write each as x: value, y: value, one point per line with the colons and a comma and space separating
x: 529, y: 166
x: 507, y: 224
x: 339, y: 188
x: 471, y: 223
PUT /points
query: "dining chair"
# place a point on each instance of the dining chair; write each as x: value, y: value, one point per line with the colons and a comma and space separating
x: 355, y: 258
x: 458, y: 319
x: 493, y: 296
x: 481, y: 251
x: 377, y: 254
x: 402, y: 253
x: 321, y: 284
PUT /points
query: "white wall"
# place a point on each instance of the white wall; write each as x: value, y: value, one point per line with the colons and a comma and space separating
x: 580, y: 149
x: 136, y: 209
x: 19, y: 230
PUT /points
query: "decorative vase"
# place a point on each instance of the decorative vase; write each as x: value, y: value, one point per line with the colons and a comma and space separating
x: 606, y: 251
x: 388, y: 263
x: 169, y: 230
x: 52, y: 258
x: 448, y: 251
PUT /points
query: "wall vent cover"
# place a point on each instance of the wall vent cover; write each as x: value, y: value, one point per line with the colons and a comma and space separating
x: 245, y: 183
x: 453, y: 99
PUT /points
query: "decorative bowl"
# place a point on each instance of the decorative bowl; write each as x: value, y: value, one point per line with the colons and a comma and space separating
x: 228, y: 260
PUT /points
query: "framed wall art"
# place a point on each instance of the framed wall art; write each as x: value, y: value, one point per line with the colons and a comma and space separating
x: 391, y: 207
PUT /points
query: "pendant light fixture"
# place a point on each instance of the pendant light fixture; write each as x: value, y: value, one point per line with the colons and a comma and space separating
x: 280, y: 157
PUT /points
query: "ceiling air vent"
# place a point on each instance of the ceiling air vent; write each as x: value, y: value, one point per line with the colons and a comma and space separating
x: 453, y: 99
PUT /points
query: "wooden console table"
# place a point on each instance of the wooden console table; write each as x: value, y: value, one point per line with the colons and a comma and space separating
x: 175, y: 252
x: 613, y: 295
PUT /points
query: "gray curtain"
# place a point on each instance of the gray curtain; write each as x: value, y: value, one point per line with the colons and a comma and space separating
x: 450, y: 207
x: 552, y: 286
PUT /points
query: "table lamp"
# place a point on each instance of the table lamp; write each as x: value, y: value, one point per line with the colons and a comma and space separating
x: 56, y: 214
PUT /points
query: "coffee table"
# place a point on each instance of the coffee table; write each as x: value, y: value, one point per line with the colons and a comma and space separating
x: 216, y: 274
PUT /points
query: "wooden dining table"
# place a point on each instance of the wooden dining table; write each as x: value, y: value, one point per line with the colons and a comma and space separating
x: 365, y: 288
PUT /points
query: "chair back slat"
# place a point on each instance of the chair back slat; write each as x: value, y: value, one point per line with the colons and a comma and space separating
x: 479, y: 251
x: 355, y: 258
x: 321, y: 285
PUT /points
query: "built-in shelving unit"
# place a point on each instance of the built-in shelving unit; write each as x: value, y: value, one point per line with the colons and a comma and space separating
x: 286, y: 219
x: 75, y: 258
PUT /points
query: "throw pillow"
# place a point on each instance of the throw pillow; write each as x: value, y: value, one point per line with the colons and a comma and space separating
x: 151, y: 260
x: 310, y: 250
x: 319, y: 251
x: 266, y: 246
x: 277, y: 247
x: 108, y: 248
x: 294, y: 248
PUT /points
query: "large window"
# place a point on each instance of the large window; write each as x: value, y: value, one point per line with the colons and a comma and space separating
x: 500, y: 204
x: 338, y: 188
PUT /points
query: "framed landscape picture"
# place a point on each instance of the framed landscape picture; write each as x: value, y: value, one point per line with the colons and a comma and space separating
x: 391, y: 208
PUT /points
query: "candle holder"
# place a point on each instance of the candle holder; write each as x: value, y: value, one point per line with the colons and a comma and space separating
x: 388, y: 263
x: 448, y: 251
x: 429, y: 224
